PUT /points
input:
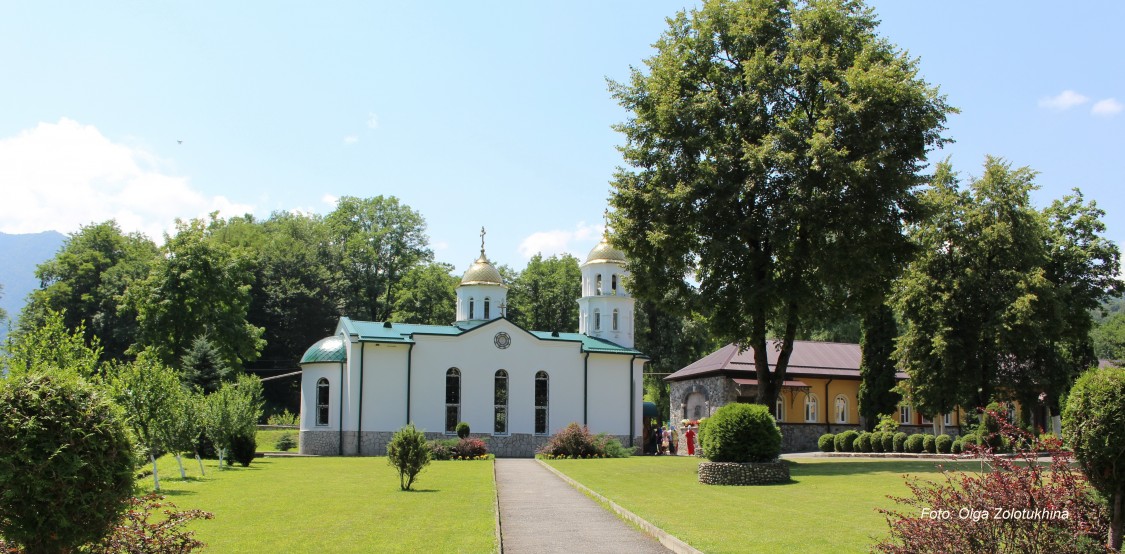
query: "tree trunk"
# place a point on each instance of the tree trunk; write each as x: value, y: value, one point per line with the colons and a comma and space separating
x: 1115, y: 523
x: 155, y: 475
x: 180, y: 461
x: 201, y: 471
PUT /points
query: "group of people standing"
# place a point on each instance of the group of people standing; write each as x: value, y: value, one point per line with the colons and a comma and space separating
x: 666, y: 440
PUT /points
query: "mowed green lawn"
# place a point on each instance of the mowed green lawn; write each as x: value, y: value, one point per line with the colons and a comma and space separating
x: 336, y: 505
x: 829, y: 507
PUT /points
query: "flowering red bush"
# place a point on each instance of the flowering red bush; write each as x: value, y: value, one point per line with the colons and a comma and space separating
x: 573, y: 441
x: 135, y: 534
x: 1018, y: 504
x: 470, y: 448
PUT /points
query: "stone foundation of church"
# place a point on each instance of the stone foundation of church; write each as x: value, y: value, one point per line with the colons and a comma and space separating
x: 374, y: 443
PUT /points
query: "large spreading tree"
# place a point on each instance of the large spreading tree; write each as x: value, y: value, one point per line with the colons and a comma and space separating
x: 542, y: 296
x: 774, y: 150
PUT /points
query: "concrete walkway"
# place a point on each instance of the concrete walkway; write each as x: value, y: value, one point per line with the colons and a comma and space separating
x: 540, y: 513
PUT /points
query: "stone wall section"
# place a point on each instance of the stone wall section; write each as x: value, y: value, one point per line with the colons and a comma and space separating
x: 729, y: 473
x: 717, y: 392
x: 319, y: 443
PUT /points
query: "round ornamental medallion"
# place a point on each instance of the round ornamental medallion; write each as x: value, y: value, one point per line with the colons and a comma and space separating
x: 502, y: 340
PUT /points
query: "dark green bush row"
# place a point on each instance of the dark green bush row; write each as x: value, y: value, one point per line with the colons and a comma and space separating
x: 826, y: 442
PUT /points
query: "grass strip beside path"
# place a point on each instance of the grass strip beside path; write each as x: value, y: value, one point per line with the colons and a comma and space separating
x: 829, y: 507
x: 336, y: 505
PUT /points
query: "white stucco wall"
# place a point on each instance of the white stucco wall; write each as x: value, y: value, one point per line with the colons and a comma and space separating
x: 384, y: 386
x: 310, y: 374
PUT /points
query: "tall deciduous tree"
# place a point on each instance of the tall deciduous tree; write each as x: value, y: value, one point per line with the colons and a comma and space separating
x: 374, y: 243
x: 428, y: 295
x: 542, y: 296
x: 51, y: 345
x: 774, y: 151
x: 86, y: 280
x: 998, y: 298
x: 197, y: 288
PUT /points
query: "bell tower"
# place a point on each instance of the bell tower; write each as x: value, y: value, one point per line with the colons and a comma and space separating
x: 606, y: 308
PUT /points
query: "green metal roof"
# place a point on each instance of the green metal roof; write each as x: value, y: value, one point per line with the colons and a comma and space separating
x: 329, y: 349
x: 403, y: 333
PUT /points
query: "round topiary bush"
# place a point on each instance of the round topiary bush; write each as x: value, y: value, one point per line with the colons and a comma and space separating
x: 957, y: 446
x: 877, y: 441
x: 741, y: 433
x: 462, y: 429
x: 929, y: 444
x: 863, y: 443
x: 888, y: 441
x: 915, y: 443
x: 900, y: 441
x: 845, y: 442
x: 66, y: 462
x: 826, y: 442
x: 944, y: 444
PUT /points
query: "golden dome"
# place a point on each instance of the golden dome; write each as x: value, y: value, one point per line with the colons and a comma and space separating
x: 482, y: 272
x: 605, y: 252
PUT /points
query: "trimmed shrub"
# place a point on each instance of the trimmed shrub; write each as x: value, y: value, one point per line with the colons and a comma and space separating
x: 929, y: 444
x: 741, y: 433
x: 888, y: 441
x: 408, y: 454
x: 285, y: 442
x: 611, y: 447
x: 862, y: 443
x: 877, y: 441
x: 826, y: 442
x: 957, y: 446
x: 845, y: 442
x: 944, y: 444
x: 243, y: 448
x: 574, y: 441
x: 462, y: 429
x: 66, y: 462
x: 915, y: 443
x: 900, y: 441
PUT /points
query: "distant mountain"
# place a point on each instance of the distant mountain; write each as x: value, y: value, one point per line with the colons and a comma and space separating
x: 19, y: 254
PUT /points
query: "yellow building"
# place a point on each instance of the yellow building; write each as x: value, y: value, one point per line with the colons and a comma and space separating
x: 820, y: 394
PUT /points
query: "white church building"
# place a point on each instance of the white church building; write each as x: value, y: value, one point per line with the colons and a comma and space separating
x: 514, y: 387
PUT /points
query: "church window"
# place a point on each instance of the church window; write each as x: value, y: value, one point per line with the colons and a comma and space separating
x: 841, y: 409
x: 904, y: 414
x: 452, y: 399
x: 613, y: 283
x: 597, y: 320
x: 541, y: 402
x: 487, y: 303
x: 779, y: 409
x: 615, y: 320
x: 810, y: 408
x: 322, y: 395
x: 948, y: 419
x: 471, y: 311
x: 598, y: 285
x: 500, y: 394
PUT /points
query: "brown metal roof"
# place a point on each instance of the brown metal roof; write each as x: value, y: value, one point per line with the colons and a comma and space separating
x: 754, y: 382
x: 810, y: 358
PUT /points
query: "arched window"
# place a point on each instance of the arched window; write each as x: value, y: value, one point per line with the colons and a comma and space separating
x: 542, y: 398
x: 500, y: 399
x: 779, y: 409
x: 841, y: 409
x: 322, y: 396
x: 471, y: 310
x: 810, y: 408
x: 597, y: 320
x: 598, y: 285
x: 904, y: 414
x: 613, y: 283
x: 487, y: 303
x: 452, y: 399
x: 615, y: 319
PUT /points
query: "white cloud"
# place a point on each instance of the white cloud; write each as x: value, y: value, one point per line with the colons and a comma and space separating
x: 1064, y: 101
x: 550, y: 243
x: 1107, y: 107
x: 372, y: 121
x: 330, y: 199
x: 60, y: 176
x: 351, y: 139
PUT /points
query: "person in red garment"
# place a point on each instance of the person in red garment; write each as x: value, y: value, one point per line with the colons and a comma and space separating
x: 689, y: 436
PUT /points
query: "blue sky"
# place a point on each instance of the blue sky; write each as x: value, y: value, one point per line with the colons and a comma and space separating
x: 474, y: 114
